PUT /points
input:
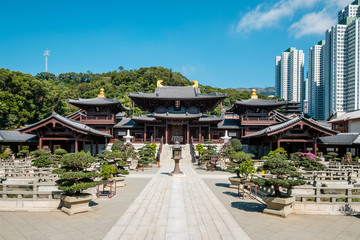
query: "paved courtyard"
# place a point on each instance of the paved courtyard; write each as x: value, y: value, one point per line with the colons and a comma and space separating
x: 155, y: 205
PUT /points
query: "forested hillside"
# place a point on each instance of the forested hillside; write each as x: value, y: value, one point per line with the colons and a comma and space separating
x: 25, y: 99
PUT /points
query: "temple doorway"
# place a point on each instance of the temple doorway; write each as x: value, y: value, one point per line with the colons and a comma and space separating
x: 177, y: 133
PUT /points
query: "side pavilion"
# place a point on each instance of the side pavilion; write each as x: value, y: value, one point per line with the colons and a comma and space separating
x: 294, y: 135
x: 57, y: 131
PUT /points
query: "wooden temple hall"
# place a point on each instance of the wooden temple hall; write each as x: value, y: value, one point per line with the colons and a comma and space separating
x: 173, y: 114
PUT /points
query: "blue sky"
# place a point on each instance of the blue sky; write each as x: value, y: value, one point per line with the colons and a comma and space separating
x: 219, y: 43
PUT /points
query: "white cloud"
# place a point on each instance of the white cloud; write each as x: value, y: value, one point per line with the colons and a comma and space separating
x: 312, y: 23
x: 266, y: 16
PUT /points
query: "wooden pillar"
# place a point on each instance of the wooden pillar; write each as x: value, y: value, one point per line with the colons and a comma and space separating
x: 166, y: 133
x: 262, y: 147
x: 76, y: 145
x: 187, y: 134
x: 278, y: 143
x: 315, y: 148
x: 97, y: 146
x: 270, y: 145
x: 83, y: 145
x: 155, y: 135
x: 199, y: 134
x: 304, y: 147
x: 209, y: 133
x: 145, y: 132
x: 40, y: 143
x: 92, y: 148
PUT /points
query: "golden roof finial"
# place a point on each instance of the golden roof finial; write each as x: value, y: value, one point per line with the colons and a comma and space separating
x: 102, y: 93
x: 253, y: 94
x: 158, y: 84
x: 196, y: 84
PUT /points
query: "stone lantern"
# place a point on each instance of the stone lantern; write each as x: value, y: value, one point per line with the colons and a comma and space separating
x: 177, y: 156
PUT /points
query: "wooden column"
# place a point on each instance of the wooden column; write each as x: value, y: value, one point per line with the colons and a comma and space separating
x: 83, y: 145
x: 262, y: 147
x: 166, y: 133
x: 97, y: 146
x: 278, y: 143
x: 304, y: 147
x: 187, y: 134
x: 199, y: 134
x: 155, y: 135
x: 76, y: 146
x: 145, y: 132
x: 209, y: 133
x: 270, y: 145
x: 40, y: 143
x: 92, y: 148
x: 315, y: 148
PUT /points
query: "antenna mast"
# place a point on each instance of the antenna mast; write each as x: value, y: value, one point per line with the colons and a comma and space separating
x: 46, y: 54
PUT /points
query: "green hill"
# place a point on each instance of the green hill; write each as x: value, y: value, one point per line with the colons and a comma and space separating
x: 25, y: 99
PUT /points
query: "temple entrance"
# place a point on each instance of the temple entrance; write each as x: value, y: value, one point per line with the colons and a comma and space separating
x: 177, y: 132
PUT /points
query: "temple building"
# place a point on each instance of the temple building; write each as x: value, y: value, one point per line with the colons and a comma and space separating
x: 173, y: 114
x: 177, y: 114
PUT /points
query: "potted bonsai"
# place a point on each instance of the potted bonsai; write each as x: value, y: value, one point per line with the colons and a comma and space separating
x: 74, y: 179
x: 209, y: 156
x: 308, y: 161
x: 236, y: 160
x: 285, y: 176
x: 226, y: 151
x: 23, y: 153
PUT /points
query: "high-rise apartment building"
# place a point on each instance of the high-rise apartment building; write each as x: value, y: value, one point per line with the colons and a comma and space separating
x: 341, y: 77
x: 289, y: 75
x: 315, y: 84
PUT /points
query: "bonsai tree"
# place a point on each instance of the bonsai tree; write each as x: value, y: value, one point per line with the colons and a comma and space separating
x: 246, y: 168
x: 236, y: 144
x: 200, y: 148
x: 348, y: 157
x: 332, y: 156
x: 285, y: 174
x: 23, y: 153
x: 128, y: 151
x: 43, y: 158
x: 236, y: 160
x: 107, y: 171
x: 60, y: 152
x: 117, y: 145
x: 146, y: 154
x: 227, y: 150
x: 6, y: 154
x: 74, y: 177
x: 308, y: 161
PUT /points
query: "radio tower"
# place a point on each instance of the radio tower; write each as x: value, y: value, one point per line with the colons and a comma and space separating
x: 46, y: 54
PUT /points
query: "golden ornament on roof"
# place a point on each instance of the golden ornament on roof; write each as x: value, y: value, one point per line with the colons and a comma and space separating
x: 102, y: 93
x: 158, y: 84
x: 253, y: 94
x: 196, y: 84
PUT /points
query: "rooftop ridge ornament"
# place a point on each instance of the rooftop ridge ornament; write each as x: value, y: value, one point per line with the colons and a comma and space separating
x: 253, y: 94
x: 102, y: 93
x: 196, y: 84
x: 158, y: 83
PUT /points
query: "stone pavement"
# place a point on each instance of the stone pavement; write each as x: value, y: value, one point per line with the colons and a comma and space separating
x: 176, y: 208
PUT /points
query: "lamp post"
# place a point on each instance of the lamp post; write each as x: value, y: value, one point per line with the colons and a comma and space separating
x: 177, y: 156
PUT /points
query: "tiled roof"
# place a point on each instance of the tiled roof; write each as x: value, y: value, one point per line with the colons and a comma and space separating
x: 97, y: 102
x: 256, y: 102
x: 72, y: 123
x: 276, y: 127
x: 16, y: 136
x: 347, y: 116
x: 178, y: 115
x: 341, y: 139
x: 229, y: 124
x: 126, y: 123
x: 171, y: 92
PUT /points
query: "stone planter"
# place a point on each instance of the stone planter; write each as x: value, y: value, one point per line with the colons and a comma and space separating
x: 235, y: 182
x: 120, y: 181
x: 279, y: 206
x: 76, y: 204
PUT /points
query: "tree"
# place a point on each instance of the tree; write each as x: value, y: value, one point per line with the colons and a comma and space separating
x: 117, y: 145
x: 235, y: 165
x: 74, y: 178
x: 285, y: 174
x: 236, y: 144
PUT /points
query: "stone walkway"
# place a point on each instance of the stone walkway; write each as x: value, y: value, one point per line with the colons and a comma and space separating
x: 176, y: 208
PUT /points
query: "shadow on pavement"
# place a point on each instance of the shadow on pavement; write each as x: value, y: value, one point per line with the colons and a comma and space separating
x: 249, y: 206
x: 226, y: 185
